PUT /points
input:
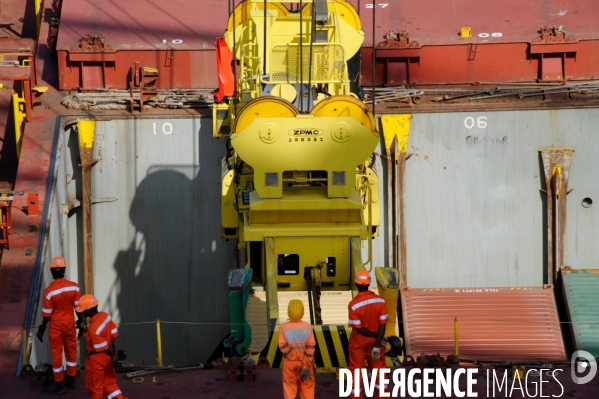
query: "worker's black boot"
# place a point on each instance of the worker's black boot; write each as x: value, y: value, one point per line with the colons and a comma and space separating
x: 69, y: 381
x: 57, y: 387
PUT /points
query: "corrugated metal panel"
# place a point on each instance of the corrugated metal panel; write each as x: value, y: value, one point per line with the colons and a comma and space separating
x: 474, y: 209
x: 54, y: 245
x: 581, y: 289
x: 158, y: 251
x: 494, y: 323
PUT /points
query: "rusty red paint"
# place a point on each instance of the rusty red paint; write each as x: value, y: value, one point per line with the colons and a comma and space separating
x: 438, y: 22
x: 176, y: 38
x: 32, y: 205
x: 508, y: 42
x: 499, y: 324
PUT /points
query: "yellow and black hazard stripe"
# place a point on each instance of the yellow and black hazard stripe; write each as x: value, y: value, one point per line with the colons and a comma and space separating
x: 332, y: 345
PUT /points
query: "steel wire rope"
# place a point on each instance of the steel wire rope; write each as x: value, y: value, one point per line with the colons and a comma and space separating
x: 264, y: 53
x: 234, y: 62
x: 301, y: 59
x: 374, y: 65
x: 310, y: 66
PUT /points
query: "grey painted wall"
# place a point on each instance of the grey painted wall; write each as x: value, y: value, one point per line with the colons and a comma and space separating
x: 475, y: 213
x: 157, y: 246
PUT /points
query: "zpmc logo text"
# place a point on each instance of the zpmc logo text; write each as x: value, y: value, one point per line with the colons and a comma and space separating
x: 306, y: 132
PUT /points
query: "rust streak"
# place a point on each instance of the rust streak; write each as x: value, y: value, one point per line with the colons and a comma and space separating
x: 88, y: 263
x: 402, y: 247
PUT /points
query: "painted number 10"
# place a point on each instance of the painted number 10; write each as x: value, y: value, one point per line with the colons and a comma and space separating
x: 481, y: 122
x: 167, y: 128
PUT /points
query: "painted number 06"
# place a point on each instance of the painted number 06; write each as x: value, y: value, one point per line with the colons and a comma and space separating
x: 481, y: 122
x: 167, y: 128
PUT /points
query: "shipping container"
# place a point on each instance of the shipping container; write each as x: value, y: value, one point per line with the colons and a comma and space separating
x: 475, y: 198
x: 157, y: 249
x: 581, y: 295
x: 493, y: 324
x: 106, y: 45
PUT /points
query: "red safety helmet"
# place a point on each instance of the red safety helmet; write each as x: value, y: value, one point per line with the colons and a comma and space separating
x: 58, y: 262
x: 362, y: 277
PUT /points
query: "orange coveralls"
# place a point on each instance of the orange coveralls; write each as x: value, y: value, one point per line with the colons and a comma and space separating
x: 100, y: 377
x: 297, y: 344
x: 366, y: 310
x: 60, y: 299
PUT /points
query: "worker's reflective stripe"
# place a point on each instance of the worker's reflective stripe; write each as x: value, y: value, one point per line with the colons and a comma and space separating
x: 100, y: 345
x: 310, y: 346
x: 357, y: 322
x: 296, y: 336
x: 309, y: 355
x: 58, y: 370
x: 44, y: 310
x: 99, y: 330
x: 115, y: 393
x: 283, y: 347
x: 114, y: 331
x: 384, y: 317
x: 298, y: 347
x: 72, y: 364
x: 286, y: 352
x: 367, y: 302
x: 60, y: 291
x: 363, y: 278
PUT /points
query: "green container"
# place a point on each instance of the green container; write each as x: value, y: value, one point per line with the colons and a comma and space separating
x: 581, y: 291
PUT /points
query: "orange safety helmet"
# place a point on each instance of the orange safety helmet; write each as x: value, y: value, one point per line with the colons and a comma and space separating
x: 58, y: 262
x: 87, y: 301
x: 362, y: 277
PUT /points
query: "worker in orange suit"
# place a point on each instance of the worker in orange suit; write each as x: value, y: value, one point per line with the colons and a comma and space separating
x: 102, y: 348
x: 59, y: 302
x: 297, y: 344
x: 367, y: 318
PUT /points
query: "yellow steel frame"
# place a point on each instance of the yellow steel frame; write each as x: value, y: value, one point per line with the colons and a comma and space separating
x: 18, y: 104
x: 39, y: 11
x: 296, y: 213
x: 328, y: 69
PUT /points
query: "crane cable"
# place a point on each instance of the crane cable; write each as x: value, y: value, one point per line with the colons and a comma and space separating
x: 301, y: 60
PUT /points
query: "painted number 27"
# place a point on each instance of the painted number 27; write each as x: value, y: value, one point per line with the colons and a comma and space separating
x: 381, y: 5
